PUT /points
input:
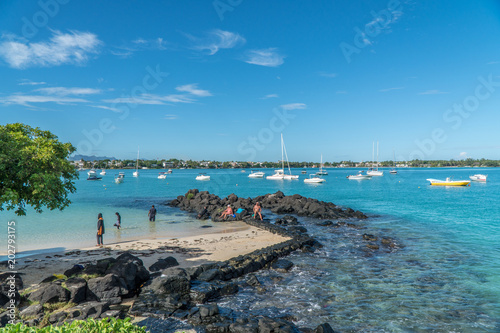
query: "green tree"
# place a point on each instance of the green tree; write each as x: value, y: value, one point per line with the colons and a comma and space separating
x: 34, y: 169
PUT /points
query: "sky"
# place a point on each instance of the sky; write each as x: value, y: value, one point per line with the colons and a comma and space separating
x: 222, y: 79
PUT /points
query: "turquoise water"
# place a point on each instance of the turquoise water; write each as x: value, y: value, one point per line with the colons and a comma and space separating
x: 446, y: 278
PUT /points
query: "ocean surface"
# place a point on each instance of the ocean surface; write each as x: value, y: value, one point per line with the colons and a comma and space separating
x: 444, y: 278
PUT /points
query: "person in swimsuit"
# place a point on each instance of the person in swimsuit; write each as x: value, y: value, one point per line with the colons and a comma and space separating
x: 257, y: 210
x: 118, y: 223
x: 152, y: 213
x: 227, y: 212
x: 100, y: 230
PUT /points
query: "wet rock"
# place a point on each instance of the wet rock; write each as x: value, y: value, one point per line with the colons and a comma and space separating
x: 89, y: 309
x: 170, y: 284
x: 252, y: 280
x: 163, y: 264
x: 269, y: 325
x: 370, y: 238
x: 208, y: 310
x: 372, y: 246
x: 210, y: 275
x: 282, y: 265
x: 76, y: 269
x: 204, y: 292
x: 324, y: 223
x: 324, y: 328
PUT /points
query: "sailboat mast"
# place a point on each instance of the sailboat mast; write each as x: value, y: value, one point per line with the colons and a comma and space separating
x: 282, y: 160
x: 377, y: 155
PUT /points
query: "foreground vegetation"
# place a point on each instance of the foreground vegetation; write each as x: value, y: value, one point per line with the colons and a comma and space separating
x: 80, y: 326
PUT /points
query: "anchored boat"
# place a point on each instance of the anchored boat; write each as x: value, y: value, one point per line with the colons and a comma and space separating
x: 448, y: 182
x: 478, y: 178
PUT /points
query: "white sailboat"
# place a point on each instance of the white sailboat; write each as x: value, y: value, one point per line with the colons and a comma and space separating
x: 393, y: 170
x: 136, y: 172
x: 322, y: 172
x: 280, y: 173
x: 373, y: 171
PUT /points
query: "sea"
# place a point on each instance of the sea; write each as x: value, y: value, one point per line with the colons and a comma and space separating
x: 443, y: 277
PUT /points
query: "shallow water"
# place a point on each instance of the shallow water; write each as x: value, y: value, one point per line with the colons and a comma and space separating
x: 446, y: 278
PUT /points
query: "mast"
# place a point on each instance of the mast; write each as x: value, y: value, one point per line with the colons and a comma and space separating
x: 284, y: 149
x: 282, y: 160
x: 137, y: 162
x: 373, y: 155
x: 377, y: 156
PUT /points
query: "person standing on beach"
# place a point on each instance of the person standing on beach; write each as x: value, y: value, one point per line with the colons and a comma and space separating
x: 257, y: 210
x: 152, y: 213
x: 100, y: 230
x: 118, y: 223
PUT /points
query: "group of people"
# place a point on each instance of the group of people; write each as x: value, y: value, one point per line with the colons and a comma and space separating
x: 257, y: 211
x: 118, y: 224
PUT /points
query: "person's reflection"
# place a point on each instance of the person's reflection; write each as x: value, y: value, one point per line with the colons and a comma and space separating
x: 152, y: 227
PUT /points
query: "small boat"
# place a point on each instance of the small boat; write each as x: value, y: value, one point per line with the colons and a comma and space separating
x: 169, y: 171
x: 280, y: 174
x: 94, y: 177
x: 103, y: 172
x: 121, y: 174
x: 314, y: 179
x: 243, y: 171
x: 478, y: 177
x: 359, y: 176
x: 119, y: 178
x: 373, y: 171
x: 202, y: 176
x: 136, y: 172
x: 303, y: 172
x: 448, y: 182
x: 393, y: 172
x: 256, y: 174
x: 322, y: 172
x: 162, y: 175
x: 92, y: 173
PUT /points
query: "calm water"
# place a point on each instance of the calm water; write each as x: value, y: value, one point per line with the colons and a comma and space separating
x: 446, y: 278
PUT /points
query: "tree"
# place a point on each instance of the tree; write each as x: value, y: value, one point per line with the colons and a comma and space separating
x: 34, y: 169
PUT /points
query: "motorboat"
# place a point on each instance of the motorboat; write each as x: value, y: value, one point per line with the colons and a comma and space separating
x: 280, y: 174
x: 119, y: 178
x: 449, y: 182
x: 243, y: 170
x: 136, y: 172
x: 169, y: 171
x: 256, y: 174
x: 121, y: 174
x: 373, y: 171
x: 103, y: 172
x: 162, y: 175
x: 359, y: 176
x: 303, y: 172
x: 94, y: 177
x: 314, y: 179
x: 393, y: 172
x: 202, y: 176
x: 478, y: 178
x: 322, y: 172
x: 92, y: 173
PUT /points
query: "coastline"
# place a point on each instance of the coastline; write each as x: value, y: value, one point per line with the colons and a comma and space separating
x: 212, y: 246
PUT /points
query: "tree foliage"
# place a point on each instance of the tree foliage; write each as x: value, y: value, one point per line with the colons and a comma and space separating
x: 34, y: 169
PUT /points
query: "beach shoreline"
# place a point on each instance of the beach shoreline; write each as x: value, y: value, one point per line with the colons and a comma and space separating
x: 235, y: 239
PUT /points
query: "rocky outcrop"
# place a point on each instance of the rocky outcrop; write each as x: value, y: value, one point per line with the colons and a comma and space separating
x: 278, y: 203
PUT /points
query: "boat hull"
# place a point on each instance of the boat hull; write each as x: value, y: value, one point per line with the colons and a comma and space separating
x: 203, y: 178
x: 437, y: 182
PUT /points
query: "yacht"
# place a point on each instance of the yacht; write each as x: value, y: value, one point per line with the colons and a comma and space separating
x: 202, y: 176
x: 136, y: 172
x: 322, y: 172
x: 359, y: 176
x: 103, y: 172
x: 373, y: 171
x: 478, y: 178
x: 162, y: 175
x: 314, y: 179
x: 280, y: 174
x: 256, y: 174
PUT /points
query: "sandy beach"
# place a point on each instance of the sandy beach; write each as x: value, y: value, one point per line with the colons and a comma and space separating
x: 234, y: 240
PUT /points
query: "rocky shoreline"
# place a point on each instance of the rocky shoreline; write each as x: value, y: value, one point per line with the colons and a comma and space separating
x: 122, y: 286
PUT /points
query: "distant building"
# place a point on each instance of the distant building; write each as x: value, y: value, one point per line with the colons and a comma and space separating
x: 168, y: 164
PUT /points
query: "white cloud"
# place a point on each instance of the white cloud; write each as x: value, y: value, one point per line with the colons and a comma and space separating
x: 269, y: 57
x: 270, y: 96
x: 293, y: 106
x: 170, y: 117
x: 26, y: 82
x: 432, y: 92
x: 62, y: 48
x: 193, y: 90
x: 27, y: 99
x: 391, y: 89
x: 463, y: 155
x: 493, y: 63
x: 62, y: 91
x: 216, y: 40
x: 106, y: 108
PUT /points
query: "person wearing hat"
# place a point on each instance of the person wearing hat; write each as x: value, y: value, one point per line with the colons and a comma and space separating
x: 227, y: 212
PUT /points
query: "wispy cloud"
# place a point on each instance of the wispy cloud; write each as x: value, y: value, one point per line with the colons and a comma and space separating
x: 293, y: 106
x: 170, y: 117
x: 62, y: 48
x: 433, y: 92
x: 106, y: 108
x: 269, y: 57
x: 391, y: 89
x: 26, y: 82
x: 139, y: 44
x: 217, y: 39
x: 270, y: 96
x: 27, y: 100
x: 62, y: 91
x: 193, y: 90
x: 324, y: 74
x: 463, y: 155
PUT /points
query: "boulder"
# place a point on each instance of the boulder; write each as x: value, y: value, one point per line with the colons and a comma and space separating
x: 31, y: 311
x: 163, y: 264
x: 78, y: 289
x: 282, y: 265
x: 170, y: 284
x: 76, y: 269
x: 324, y: 328
x: 51, y: 293
x: 106, y: 289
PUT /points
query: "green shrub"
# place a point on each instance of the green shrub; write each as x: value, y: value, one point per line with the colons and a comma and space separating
x: 190, y: 196
x: 81, y: 326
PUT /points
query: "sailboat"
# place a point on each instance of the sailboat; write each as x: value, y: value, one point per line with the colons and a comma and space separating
x: 280, y: 173
x: 136, y: 172
x: 322, y: 172
x: 373, y: 171
x: 393, y: 170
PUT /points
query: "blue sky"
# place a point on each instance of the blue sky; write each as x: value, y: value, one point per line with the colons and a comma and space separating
x: 222, y: 79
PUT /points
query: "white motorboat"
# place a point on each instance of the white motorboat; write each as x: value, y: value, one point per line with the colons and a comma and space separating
x: 119, y: 178
x: 136, y: 172
x: 314, y: 179
x: 92, y: 173
x: 373, y: 171
x: 280, y: 174
x: 202, y: 176
x: 243, y: 170
x: 359, y: 176
x: 103, y: 172
x: 322, y: 172
x: 162, y: 175
x: 478, y: 177
x: 169, y: 171
x: 256, y: 174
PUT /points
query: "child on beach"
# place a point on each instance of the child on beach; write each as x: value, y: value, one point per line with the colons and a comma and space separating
x: 118, y: 223
x: 100, y: 230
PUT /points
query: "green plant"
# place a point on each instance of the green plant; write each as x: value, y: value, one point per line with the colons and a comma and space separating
x: 190, y: 196
x: 106, y: 325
